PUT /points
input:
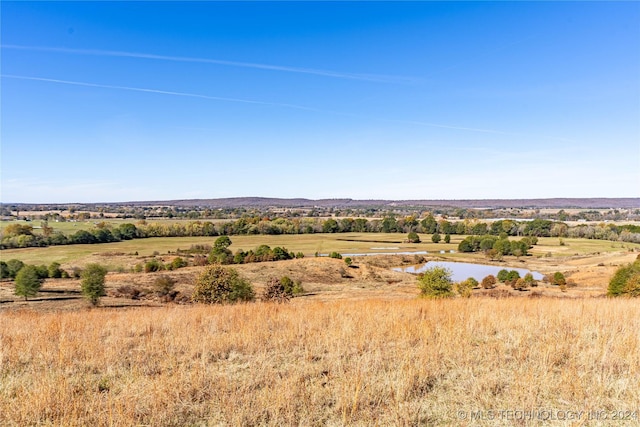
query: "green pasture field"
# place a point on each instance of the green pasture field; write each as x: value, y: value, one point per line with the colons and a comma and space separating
x: 308, y: 244
x: 578, y: 246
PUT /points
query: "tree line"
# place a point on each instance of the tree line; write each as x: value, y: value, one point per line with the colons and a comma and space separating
x: 21, y: 235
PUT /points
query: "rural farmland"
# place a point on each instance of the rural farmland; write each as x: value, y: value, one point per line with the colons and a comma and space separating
x: 261, y: 213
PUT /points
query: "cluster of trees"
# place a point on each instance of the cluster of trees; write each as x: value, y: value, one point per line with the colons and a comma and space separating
x: 11, y: 268
x: 220, y: 253
x: 28, y: 279
x: 22, y: 236
x: 497, y: 246
x: 436, y: 282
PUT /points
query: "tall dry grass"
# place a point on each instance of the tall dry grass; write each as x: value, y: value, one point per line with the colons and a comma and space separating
x: 308, y: 363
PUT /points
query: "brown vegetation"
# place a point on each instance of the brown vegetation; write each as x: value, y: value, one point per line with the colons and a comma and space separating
x: 414, y: 362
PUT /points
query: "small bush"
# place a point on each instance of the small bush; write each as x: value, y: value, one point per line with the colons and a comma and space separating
x: 558, y: 279
x: 489, y: 282
x: 128, y: 291
x: 54, y: 270
x: 163, y: 285
x: 413, y: 237
x: 465, y: 287
x: 153, y: 265
x: 503, y: 275
x: 275, y: 291
x: 178, y: 262
x: 220, y: 285
x: 335, y: 255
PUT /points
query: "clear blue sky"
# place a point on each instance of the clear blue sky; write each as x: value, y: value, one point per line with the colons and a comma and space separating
x: 122, y: 101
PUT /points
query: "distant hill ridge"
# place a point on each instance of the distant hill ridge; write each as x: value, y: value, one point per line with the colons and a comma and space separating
x: 234, y: 202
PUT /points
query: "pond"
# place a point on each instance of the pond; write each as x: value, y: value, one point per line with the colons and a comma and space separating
x: 463, y: 270
x: 344, y: 254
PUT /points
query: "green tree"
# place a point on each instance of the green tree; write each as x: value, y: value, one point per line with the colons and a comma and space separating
x: 621, y: 278
x: 435, y: 238
x: 413, y: 237
x: 13, y: 266
x: 529, y: 280
x: 220, y: 252
x: 447, y: 238
x: 330, y: 226
x: 54, y: 270
x: 503, y: 275
x: 429, y: 224
x: 436, y: 283
x: 220, y: 285
x: 4, y: 270
x: 559, y: 279
x: 92, y: 282
x: 27, y: 282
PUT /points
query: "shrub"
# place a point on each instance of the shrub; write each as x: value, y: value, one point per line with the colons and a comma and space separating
x: 413, y: 237
x: 529, y: 280
x: 465, y: 287
x: 129, y: 292
x: 435, y: 238
x: 335, y: 255
x: 220, y: 285
x: 178, y: 262
x: 54, y: 270
x: 520, y: 284
x: 558, y: 279
x: 436, y: 283
x: 503, y: 275
x: 93, y: 282
x: 348, y: 261
x: 275, y: 291
x: 163, y: 285
x: 489, y: 282
x: 447, y: 238
x: 153, y: 265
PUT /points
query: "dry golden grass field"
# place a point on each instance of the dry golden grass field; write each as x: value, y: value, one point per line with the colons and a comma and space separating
x: 358, y: 348
x: 472, y: 361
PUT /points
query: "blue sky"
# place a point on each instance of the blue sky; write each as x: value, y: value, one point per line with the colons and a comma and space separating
x: 121, y: 101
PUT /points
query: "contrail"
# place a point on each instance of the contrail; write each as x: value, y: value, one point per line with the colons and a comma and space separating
x: 273, y: 104
x: 121, y: 54
x: 163, y: 92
